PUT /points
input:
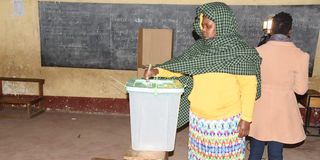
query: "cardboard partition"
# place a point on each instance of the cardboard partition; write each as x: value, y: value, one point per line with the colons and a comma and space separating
x: 140, y: 72
x: 154, y: 46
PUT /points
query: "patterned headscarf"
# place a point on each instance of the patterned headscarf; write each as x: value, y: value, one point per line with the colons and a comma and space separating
x: 226, y: 53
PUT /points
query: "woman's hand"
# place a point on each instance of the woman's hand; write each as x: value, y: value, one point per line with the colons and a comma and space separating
x: 243, y: 128
x: 149, y: 73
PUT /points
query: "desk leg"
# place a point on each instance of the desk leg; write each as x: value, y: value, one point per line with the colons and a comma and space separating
x: 307, y: 119
x: 29, y: 110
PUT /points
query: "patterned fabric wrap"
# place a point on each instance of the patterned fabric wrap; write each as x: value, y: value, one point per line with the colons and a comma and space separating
x: 215, y: 139
x: 226, y: 53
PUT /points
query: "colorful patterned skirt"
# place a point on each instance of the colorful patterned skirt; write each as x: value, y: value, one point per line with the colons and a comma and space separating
x: 215, y: 139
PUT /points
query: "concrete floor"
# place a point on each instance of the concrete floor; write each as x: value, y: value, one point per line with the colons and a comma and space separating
x: 75, y: 136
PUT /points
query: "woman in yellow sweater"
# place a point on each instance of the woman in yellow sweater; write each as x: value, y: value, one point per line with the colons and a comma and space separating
x: 222, y: 72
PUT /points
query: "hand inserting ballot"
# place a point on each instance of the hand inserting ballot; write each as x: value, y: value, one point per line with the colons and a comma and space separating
x: 150, y: 72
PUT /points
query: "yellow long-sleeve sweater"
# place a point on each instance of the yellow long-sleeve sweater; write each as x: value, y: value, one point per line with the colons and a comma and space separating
x: 220, y: 95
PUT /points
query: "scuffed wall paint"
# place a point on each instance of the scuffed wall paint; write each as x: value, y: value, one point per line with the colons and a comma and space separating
x: 314, y: 83
x: 19, y: 47
x: 20, y: 53
x: 86, y: 82
x: 316, y: 70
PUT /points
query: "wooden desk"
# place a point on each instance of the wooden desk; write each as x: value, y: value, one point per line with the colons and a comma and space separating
x: 310, y: 101
x: 29, y: 101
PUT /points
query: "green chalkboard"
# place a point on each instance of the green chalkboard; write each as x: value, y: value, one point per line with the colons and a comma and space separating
x: 97, y: 35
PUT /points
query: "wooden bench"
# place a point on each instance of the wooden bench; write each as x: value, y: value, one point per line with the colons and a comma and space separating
x: 29, y: 101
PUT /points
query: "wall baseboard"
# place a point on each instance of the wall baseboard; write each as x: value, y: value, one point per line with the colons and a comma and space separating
x: 86, y: 104
x: 113, y: 105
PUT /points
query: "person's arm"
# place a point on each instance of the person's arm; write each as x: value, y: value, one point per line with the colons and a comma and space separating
x: 248, y: 90
x: 301, y: 75
x: 159, y: 72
